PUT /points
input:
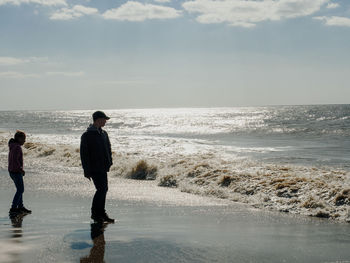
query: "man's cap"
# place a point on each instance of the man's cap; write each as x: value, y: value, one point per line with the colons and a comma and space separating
x: 99, y: 115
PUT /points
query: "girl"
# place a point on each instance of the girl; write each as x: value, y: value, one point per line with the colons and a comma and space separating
x: 15, y: 168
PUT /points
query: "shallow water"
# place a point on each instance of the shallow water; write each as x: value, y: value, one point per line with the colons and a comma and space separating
x: 59, y: 230
x: 147, y: 230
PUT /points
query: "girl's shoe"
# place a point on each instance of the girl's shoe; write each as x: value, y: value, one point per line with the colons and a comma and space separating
x: 24, y: 210
x: 14, y: 211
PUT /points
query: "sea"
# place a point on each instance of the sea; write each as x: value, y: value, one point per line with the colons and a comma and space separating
x: 310, y: 135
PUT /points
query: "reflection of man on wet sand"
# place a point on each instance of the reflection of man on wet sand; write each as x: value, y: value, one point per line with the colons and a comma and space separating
x: 97, y: 252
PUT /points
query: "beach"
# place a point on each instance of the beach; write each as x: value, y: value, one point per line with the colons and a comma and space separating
x: 175, y: 131
x: 268, y: 184
x: 59, y: 230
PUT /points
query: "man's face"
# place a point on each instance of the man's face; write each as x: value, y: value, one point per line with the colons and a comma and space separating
x: 101, y: 122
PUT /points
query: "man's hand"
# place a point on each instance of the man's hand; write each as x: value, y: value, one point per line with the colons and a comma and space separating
x: 23, y: 173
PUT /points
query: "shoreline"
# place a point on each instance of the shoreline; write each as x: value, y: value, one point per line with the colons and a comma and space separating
x: 318, y: 192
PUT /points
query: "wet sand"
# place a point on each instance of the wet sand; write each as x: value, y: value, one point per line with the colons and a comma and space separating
x: 60, y: 230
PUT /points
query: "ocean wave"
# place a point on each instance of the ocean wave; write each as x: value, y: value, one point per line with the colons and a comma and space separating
x: 282, y: 120
x: 314, y: 191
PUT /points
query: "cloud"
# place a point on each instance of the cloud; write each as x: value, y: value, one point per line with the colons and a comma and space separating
x: 247, y: 13
x: 124, y: 82
x: 74, y: 12
x: 332, y: 5
x: 136, y: 11
x: 66, y: 74
x: 39, y: 2
x: 11, y: 61
x: 17, y: 75
x: 38, y: 59
x: 334, y: 20
x: 162, y: 1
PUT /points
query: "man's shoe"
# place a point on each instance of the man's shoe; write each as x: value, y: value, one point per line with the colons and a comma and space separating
x: 107, y: 219
x: 24, y: 210
x: 97, y: 219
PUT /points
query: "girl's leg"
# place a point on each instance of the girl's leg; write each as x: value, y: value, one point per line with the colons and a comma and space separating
x: 20, y: 202
x: 18, y: 198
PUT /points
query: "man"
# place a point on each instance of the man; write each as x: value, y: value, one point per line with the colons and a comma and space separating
x: 96, y: 159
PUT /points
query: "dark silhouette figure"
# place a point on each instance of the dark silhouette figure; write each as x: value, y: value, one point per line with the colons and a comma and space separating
x: 15, y: 168
x: 96, y: 159
x: 97, y: 252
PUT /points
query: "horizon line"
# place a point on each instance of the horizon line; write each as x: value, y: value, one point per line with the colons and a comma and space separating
x: 181, y: 107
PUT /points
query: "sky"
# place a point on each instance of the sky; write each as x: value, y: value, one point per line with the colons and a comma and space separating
x: 110, y: 54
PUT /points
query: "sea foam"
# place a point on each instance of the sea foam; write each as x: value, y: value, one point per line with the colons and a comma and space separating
x: 314, y: 191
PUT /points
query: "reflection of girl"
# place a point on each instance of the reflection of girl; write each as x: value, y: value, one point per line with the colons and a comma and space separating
x: 15, y: 168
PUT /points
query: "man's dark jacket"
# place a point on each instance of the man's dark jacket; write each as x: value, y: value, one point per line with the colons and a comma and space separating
x: 95, y: 152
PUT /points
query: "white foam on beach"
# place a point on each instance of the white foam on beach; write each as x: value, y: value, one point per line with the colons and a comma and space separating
x: 56, y: 168
x: 315, y: 191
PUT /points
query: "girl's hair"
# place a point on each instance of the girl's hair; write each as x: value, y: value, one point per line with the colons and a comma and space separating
x: 19, y: 134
